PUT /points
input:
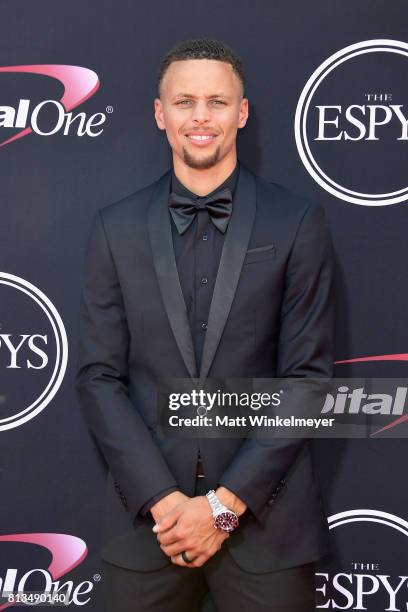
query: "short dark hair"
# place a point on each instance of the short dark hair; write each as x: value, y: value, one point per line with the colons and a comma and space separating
x: 202, y: 48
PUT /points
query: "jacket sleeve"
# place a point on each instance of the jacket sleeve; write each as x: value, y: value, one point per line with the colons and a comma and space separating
x: 145, y: 509
x: 305, y: 349
x: 101, y: 382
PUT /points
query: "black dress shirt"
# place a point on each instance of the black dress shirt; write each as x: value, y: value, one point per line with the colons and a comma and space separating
x: 197, y: 253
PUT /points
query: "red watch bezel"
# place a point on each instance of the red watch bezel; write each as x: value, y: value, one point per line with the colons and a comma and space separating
x: 226, y: 521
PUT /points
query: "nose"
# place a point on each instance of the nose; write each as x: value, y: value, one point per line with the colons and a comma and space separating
x: 201, y: 112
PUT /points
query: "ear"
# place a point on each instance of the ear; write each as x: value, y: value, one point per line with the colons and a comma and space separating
x: 158, y: 114
x: 243, y: 112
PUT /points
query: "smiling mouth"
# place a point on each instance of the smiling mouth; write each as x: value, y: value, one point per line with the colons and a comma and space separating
x: 201, y: 139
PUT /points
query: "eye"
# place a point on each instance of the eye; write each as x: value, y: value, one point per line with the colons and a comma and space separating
x: 218, y: 102
x: 183, y: 102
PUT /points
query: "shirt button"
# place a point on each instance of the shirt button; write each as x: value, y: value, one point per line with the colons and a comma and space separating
x: 204, y: 280
x: 205, y: 237
x: 204, y: 326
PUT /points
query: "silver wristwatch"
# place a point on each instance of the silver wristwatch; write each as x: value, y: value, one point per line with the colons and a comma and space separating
x: 224, y: 518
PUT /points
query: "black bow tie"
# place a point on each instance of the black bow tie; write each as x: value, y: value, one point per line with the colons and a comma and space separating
x: 184, y: 209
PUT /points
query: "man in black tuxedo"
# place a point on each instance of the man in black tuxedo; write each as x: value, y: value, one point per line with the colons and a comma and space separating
x: 208, y: 272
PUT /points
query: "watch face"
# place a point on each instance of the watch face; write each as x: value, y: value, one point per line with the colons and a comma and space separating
x: 227, y: 521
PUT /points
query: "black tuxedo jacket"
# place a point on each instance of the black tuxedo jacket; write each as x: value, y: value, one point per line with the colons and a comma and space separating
x: 271, y: 315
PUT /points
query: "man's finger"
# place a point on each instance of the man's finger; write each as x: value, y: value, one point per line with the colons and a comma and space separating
x: 172, y: 550
x: 198, y: 561
x: 169, y: 537
x: 167, y: 522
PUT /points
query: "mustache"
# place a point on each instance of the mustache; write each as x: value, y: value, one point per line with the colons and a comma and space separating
x: 205, y: 130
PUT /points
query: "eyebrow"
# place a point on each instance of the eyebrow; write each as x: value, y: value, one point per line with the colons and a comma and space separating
x: 189, y: 95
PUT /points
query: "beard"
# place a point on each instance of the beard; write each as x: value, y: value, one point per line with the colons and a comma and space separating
x: 201, y: 164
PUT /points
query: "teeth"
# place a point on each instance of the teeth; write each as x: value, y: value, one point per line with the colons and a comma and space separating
x: 197, y: 137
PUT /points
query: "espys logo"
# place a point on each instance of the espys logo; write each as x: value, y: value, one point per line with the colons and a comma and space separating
x: 79, y: 85
x: 33, y: 351
x: 351, y: 123
x: 67, y: 552
x: 366, y: 587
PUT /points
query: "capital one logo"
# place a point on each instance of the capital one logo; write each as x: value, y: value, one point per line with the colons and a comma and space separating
x: 33, y: 351
x: 387, y: 404
x: 67, y: 552
x: 366, y: 585
x: 79, y: 85
x: 351, y: 123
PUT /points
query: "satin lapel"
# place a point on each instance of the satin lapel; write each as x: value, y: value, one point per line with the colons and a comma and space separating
x: 232, y: 257
x: 161, y: 241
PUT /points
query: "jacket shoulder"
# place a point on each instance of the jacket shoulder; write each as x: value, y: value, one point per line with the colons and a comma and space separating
x: 286, y: 212
x: 133, y: 204
x: 282, y: 200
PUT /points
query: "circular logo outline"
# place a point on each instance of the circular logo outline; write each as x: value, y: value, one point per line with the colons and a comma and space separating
x: 62, y: 351
x: 328, y: 184
x: 370, y: 516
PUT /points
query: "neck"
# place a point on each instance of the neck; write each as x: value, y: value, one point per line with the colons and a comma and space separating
x: 200, y: 181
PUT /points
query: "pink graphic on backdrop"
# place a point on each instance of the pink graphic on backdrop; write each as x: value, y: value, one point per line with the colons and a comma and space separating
x: 67, y: 551
x: 392, y: 357
x: 79, y: 85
